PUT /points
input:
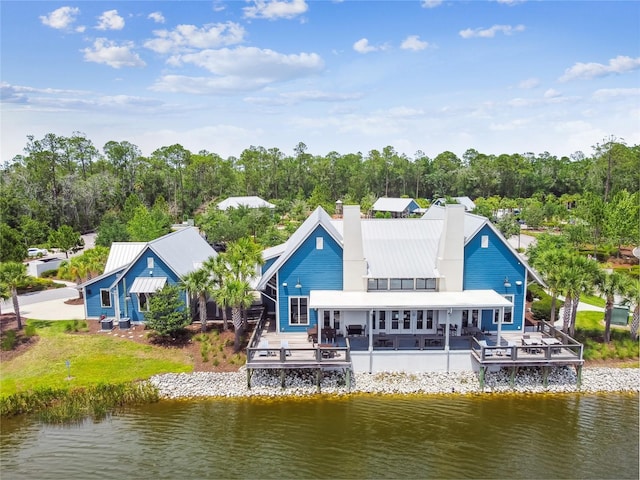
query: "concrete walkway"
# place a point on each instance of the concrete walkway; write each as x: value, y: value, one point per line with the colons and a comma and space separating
x: 48, y: 304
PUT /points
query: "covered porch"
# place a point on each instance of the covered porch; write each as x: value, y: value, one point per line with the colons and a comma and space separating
x: 409, y: 320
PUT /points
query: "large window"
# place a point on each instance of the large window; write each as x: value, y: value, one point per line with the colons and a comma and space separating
x: 395, y: 319
x: 105, y: 298
x: 383, y: 320
x: 508, y: 312
x: 377, y: 284
x: 299, y: 311
x: 425, y: 283
x: 406, y: 319
x: 429, y: 319
x: 401, y: 284
x: 143, y: 301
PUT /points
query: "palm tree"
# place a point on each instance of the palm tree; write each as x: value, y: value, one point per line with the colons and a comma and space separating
x: 12, y: 274
x: 74, y: 269
x: 610, y: 285
x: 633, y: 295
x: 577, y: 277
x: 244, y: 257
x: 219, y: 271
x: 5, y: 293
x: 237, y: 294
x: 200, y: 283
x: 550, y: 263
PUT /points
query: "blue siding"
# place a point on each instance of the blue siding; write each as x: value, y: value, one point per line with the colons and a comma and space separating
x: 92, y: 299
x: 487, y: 268
x: 268, y: 264
x: 139, y: 269
x: 315, y: 269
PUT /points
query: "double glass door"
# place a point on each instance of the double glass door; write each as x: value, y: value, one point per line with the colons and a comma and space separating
x: 403, y: 321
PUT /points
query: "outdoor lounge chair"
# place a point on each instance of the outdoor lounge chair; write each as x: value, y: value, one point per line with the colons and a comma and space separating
x: 264, y: 344
x: 487, y: 352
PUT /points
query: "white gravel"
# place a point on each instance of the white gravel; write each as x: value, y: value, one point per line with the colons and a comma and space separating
x: 302, y: 383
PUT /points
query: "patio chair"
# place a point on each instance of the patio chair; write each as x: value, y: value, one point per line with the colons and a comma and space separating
x: 264, y: 345
x: 285, y: 344
x: 487, y: 352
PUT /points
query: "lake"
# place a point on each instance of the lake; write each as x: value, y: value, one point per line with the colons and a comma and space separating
x: 488, y: 436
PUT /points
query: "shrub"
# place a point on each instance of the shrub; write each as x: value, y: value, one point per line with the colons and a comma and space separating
x: 29, y: 330
x: 9, y: 340
x: 49, y: 273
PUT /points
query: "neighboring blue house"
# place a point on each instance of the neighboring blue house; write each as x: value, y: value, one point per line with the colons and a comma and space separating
x: 448, y: 269
x: 396, y: 207
x: 136, y: 270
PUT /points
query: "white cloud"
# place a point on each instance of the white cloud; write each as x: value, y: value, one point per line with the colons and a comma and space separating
x: 293, y: 98
x: 275, y: 9
x: 413, y: 42
x: 61, y: 18
x: 239, y: 69
x: 110, y: 20
x: 529, y: 83
x: 431, y: 3
x: 185, y: 37
x: 116, y: 56
x: 551, y: 93
x: 362, y: 46
x: 490, y: 32
x: 608, y: 93
x: 620, y: 64
x: 510, y: 2
x: 156, y: 17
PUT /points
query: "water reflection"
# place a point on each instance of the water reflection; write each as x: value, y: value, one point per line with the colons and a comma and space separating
x: 535, y: 436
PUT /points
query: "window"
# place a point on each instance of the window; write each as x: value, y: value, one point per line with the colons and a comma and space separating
x: 395, y: 319
x: 149, y: 262
x: 143, y: 301
x: 377, y: 284
x: 336, y: 319
x: 508, y: 312
x: 419, y: 320
x: 383, y: 320
x: 425, y: 283
x: 319, y: 243
x: 299, y: 311
x: 484, y: 241
x: 373, y: 320
x: 105, y: 298
x: 401, y: 284
x: 429, y: 319
x: 406, y: 319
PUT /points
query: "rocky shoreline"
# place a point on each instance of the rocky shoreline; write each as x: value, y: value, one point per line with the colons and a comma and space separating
x: 302, y: 383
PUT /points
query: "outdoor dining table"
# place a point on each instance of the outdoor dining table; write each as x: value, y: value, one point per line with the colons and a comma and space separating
x: 530, y: 342
x: 552, y: 341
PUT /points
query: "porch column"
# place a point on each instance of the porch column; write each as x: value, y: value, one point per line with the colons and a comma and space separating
x: 500, y: 319
x: 446, y: 330
x: 370, y: 330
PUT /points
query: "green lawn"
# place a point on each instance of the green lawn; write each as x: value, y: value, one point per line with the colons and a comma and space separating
x: 93, y: 359
x: 593, y: 300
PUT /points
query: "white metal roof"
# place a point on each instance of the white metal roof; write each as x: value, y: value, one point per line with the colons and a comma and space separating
x: 399, y: 248
x: 250, y: 202
x: 385, y: 204
x: 183, y: 250
x: 122, y: 254
x: 147, y: 284
x: 337, y: 299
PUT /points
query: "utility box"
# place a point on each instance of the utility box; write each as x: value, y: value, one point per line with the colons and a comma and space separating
x: 620, y: 315
x: 124, y: 323
x: 106, y: 324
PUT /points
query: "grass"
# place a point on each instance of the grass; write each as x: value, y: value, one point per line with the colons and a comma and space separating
x: 590, y: 329
x: 593, y: 300
x: 93, y: 359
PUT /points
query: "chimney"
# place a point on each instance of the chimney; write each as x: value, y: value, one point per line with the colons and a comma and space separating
x: 354, y: 267
x: 450, y: 260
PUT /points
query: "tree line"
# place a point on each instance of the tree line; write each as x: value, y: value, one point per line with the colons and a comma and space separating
x: 69, y: 181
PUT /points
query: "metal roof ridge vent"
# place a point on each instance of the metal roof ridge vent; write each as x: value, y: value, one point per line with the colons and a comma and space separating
x: 354, y: 266
x: 450, y: 261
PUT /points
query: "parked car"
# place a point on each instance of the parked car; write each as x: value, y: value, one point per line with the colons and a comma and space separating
x: 37, y: 252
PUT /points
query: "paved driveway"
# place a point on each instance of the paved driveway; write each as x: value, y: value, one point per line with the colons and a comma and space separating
x: 47, y: 305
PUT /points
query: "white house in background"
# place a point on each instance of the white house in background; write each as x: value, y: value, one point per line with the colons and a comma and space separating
x: 397, y: 207
x: 248, y: 202
x: 469, y: 206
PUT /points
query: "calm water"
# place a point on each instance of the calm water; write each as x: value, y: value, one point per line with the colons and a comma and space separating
x: 364, y: 437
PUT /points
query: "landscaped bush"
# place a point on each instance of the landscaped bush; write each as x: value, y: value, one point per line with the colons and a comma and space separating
x: 49, y: 273
x: 9, y: 340
x: 621, y: 346
x: 33, y: 284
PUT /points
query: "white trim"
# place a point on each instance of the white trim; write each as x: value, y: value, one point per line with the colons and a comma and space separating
x: 110, y: 299
x: 504, y: 321
x: 291, y: 324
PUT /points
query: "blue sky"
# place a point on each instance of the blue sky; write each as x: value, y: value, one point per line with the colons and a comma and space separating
x: 502, y: 76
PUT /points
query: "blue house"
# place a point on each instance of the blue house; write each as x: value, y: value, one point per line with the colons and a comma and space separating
x: 395, y: 207
x: 136, y: 270
x: 447, y: 271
